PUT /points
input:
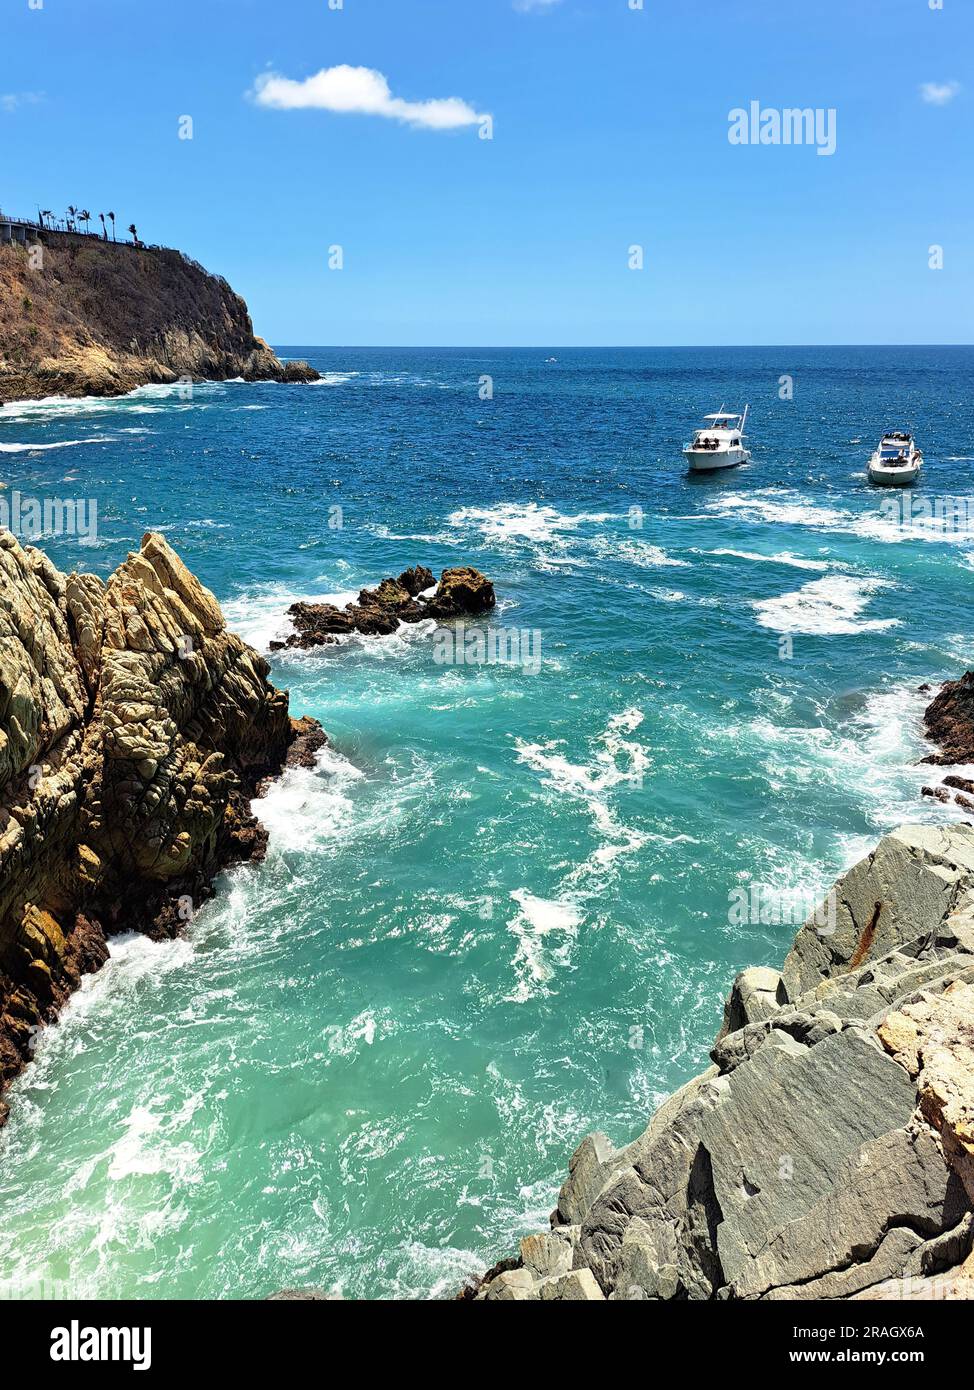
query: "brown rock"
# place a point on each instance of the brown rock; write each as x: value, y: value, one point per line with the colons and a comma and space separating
x: 938, y: 792
x: 307, y: 738
x: 462, y: 592
x: 949, y: 722
x: 416, y: 580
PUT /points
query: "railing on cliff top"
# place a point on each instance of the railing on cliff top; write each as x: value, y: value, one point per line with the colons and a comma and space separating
x: 39, y: 226
x: 101, y: 235
x: 19, y: 221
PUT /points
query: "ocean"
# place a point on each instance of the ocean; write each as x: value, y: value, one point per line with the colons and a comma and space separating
x: 504, y: 910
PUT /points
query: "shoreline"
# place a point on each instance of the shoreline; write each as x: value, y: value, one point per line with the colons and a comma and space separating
x: 174, y: 382
x: 64, y: 398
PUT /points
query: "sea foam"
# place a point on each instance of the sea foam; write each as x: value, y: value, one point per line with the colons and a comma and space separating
x: 825, y: 607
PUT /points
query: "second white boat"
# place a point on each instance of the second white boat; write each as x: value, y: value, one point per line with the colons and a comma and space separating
x: 897, y: 461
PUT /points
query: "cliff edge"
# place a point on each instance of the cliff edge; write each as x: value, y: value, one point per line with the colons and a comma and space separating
x: 134, y: 729
x: 80, y: 316
x: 828, y: 1152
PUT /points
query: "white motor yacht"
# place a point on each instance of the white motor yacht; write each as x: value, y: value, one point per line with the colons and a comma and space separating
x: 897, y: 461
x: 719, y: 443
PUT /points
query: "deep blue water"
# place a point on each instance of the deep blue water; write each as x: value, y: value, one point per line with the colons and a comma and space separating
x: 498, y: 915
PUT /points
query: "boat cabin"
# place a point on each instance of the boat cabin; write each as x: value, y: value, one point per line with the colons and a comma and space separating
x: 895, y: 445
x: 721, y: 430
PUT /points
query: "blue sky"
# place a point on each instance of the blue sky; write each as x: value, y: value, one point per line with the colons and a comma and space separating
x: 610, y: 129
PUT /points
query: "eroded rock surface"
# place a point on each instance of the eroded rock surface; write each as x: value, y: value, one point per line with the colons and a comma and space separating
x: 828, y: 1152
x: 462, y: 592
x: 101, y: 318
x: 134, y: 729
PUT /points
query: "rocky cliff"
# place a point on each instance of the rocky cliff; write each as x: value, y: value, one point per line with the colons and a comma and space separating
x: 134, y: 728
x: 828, y: 1152
x: 80, y: 316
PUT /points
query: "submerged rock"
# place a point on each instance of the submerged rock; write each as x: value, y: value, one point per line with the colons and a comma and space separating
x: 462, y: 592
x: 829, y: 1151
x: 134, y: 730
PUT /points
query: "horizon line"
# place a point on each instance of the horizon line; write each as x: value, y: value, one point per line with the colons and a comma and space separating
x: 600, y: 347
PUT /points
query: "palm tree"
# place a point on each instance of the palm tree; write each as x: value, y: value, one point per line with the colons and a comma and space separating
x: 135, y: 235
x: 72, y: 213
x: 44, y: 215
x: 104, y: 229
x: 85, y: 217
x: 111, y: 218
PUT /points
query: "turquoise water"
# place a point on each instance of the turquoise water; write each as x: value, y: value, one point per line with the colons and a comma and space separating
x: 497, y: 915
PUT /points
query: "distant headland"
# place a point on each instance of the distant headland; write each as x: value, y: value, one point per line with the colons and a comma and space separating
x: 82, y: 313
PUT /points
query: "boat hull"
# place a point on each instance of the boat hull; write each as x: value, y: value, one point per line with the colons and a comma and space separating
x: 894, y: 477
x: 711, y: 460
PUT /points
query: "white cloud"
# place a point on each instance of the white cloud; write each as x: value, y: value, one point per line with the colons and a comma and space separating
x: 525, y: 5
x: 360, y: 91
x: 10, y: 101
x: 939, y: 93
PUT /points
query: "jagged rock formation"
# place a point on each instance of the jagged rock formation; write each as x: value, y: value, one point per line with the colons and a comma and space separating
x: 462, y: 592
x: 99, y: 318
x: 828, y: 1152
x: 134, y: 728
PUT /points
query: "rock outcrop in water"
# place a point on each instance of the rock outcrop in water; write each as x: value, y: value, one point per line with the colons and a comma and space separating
x: 949, y: 720
x: 134, y: 729
x: 81, y: 317
x: 462, y: 592
x: 828, y: 1152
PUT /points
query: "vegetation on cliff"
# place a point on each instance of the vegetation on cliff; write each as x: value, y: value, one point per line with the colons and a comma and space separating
x: 80, y: 316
